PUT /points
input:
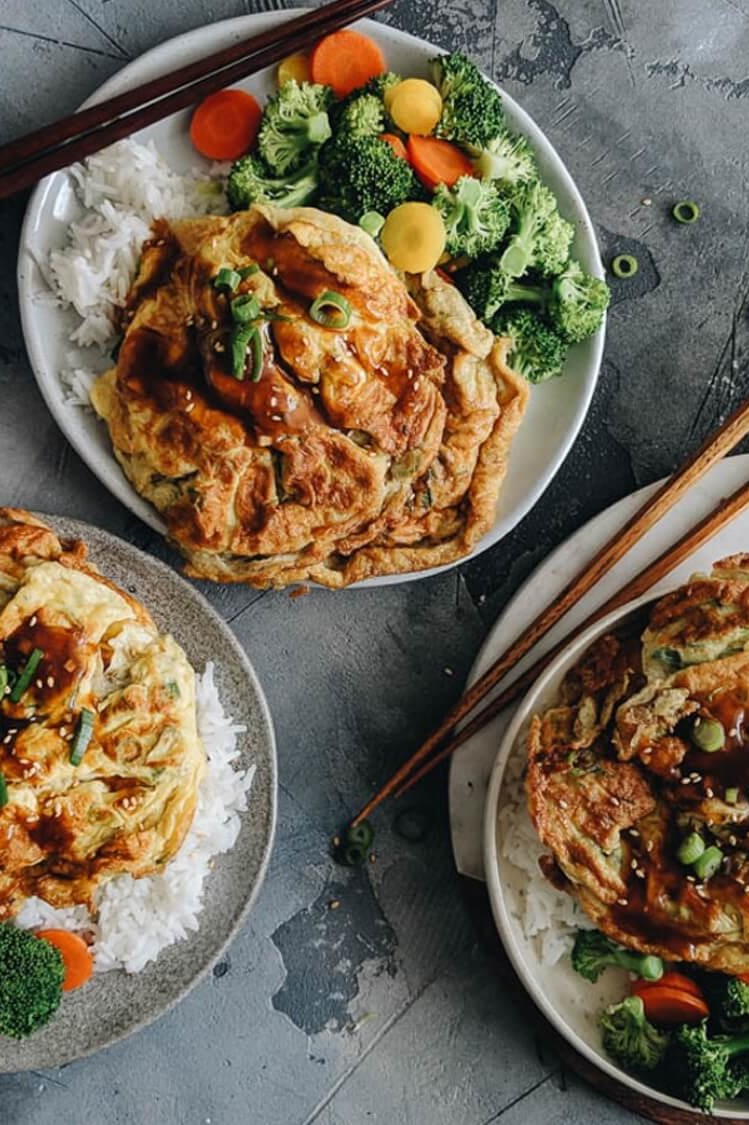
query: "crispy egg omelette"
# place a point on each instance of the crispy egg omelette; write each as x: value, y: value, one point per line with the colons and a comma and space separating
x: 100, y: 758
x: 370, y: 442
x: 638, y: 781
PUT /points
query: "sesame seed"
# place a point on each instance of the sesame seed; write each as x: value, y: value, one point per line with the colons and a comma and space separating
x: 640, y: 873
x: 623, y: 901
x: 417, y: 384
x: 649, y: 846
x: 732, y: 841
x: 696, y: 776
x: 39, y: 684
x: 615, y: 801
x: 63, y: 731
x: 276, y: 418
x: 219, y: 347
x: 709, y: 792
x: 7, y: 739
x: 273, y: 400
x: 746, y: 890
x: 646, y: 202
x: 190, y: 407
x: 11, y: 830
x: 12, y: 730
x: 634, y: 865
x: 336, y: 841
x: 188, y: 395
x: 448, y: 671
x: 32, y: 621
x: 334, y: 904
x: 633, y: 832
x: 50, y: 681
x: 733, y: 732
x: 563, y: 804
x: 214, y: 324
x: 691, y: 879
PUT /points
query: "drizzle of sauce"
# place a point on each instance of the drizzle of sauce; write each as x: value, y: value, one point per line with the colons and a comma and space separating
x: 729, y: 766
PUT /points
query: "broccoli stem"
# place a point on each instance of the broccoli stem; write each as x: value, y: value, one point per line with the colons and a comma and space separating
x: 648, y: 967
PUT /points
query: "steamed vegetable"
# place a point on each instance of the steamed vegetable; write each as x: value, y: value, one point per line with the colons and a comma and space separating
x: 540, y: 236
x: 475, y: 216
x: 31, y: 976
x: 413, y: 237
x: 225, y: 124
x: 415, y: 106
x: 667, y: 1006
x: 76, y: 956
x: 294, y: 123
x: 294, y: 67
x: 472, y: 110
x: 360, y: 174
x: 251, y: 181
x: 504, y: 157
x: 700, y: 1069
x: 362, y: 117
x: 629, y: 1038
x: 345, y: 60
x: 537, y: 352
x: 437, y: 162
x: 728, y: 998
x: 593, y: 952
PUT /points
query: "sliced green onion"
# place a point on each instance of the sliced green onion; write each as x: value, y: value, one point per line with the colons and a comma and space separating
x: 83, y: 731
x: 686, y: 211
x: 172, y: 688
x: 256, y: 346
x: 360, y: 835
x: 732, y: 796
x: 240, y: 338
x: 3, y: 791
x: 708, y: 735
x: 372, y: 222
x: 691, y: 848
x: 3, y: 679
x: 227, y: 278
x: 624, y: 265
x: 708, y: 863
x: 248, y: 271
x: 331, y: 310
x: 244, y: 309
x: 353, y: 855
x: 25, y: 677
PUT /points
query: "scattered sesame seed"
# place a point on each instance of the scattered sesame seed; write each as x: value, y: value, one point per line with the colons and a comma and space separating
x: 63, y: 732
x: 32, y: 621
x: 214, y: 324
x: 273, y: 400
x: 8, y: 738
x: 733, y: 732
x: 633, y: 832
x: 334, y: 904
x: 11, y: 830
x: 50, y: 681
x: 732, y: 841
x: 448, y: 671
x: 372, y: 857
x: 39, y: 684
x: 623, y: 901
x: 640, y: 873
x: 649, y: 846
x: 634, y: 865
x: 276, y: 418
x: 219, y: 347
x: 190, y: 406
x: 691, y: 879
x: 647, y: 201
x: 417, y: 384
x: 615, y: 801
x: 709, y: 792
x: 746, y: 890
x: 188, y: 394
x: 563, y: 804
x: 336, y: 841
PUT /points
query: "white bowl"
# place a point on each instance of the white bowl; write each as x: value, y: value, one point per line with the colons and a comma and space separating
x: 557, y: 408
x: 570, y: 1003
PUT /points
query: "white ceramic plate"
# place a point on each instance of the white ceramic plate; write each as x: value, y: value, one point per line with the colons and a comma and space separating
x: 557, y: 408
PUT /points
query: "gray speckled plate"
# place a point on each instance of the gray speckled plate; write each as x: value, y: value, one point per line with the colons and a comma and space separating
x: 115, y: 1004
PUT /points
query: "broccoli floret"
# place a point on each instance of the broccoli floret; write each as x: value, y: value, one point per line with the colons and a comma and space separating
x: 362, y: 117
x: 31, y: 975
x: 540, y: 236
x: 537, y: 352
x: 505, y: 157
x: 578, y: 302
x: 472, y: 110
x: 360, y: 174
x: 379, y: 85
x: 700, y: 1070
x: 593, y: 952
x: 487, y: 288
x: 475, y: 216
x: 295, y: 121
x: 251, y: 181
x: 727, y: 998
x: 629, y: 1038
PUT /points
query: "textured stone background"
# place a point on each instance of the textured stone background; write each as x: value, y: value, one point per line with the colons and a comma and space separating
x: 389, y: 1009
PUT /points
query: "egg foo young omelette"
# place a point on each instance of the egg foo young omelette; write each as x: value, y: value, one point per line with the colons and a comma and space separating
x: 100, y: 758
x: 294, y: 412
x: 638, y: 780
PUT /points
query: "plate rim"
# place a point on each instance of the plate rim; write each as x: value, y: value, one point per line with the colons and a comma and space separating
x: 110, y: 474
x: 492, y: 867
x: 61, y: 524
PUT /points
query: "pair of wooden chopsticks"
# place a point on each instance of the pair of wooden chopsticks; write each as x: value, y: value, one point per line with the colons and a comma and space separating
x: 27, y: 159
x: 444, y: 739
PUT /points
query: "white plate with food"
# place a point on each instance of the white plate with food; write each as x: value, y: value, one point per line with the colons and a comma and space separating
x: 137, y: 789
x: 418, y: 467
x: 621, y: 777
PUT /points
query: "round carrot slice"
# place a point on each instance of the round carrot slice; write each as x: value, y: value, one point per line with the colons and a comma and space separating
x: 345, y: 60
x: 224, y: 125
x: 670, y: 979
x: 76, y: 956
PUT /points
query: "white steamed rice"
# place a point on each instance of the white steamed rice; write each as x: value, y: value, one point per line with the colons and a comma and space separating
x: 548, y: 918
x: 122, y: 189
x: 137, y: 918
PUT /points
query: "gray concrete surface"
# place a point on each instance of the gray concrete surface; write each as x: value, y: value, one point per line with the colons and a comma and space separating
x: 389, y: 1009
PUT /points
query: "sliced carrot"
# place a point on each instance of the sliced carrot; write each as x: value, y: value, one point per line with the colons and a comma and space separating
x: 445, y: 276
x: 437, y: 162
x: 294, y: 67
x: 670, y: 979
x: 742, y: 976
x: 225, y: 125
x: 396, y: 144
x: 346, y: 59
x: 668, y: 1006
x: 76, y: 956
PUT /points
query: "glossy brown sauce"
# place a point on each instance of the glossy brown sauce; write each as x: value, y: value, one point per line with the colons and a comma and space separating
x: 729, y: 766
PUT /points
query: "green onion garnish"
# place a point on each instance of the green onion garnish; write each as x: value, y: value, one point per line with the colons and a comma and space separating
x: 708, y: 863
x: 732, y: 796
x: 83, y: 731
x: 25, y: 677
x: 3, y: 791
x: 240, y: 338
x: 690, y: 849
x: 625, y: 265
x: 248, y: 271
x: 245, y: 308
x: 331, y: 310
x: 686, y: 211
x: 256, y: 346
x: 227, y: 278
x: 353, y: 855
x: 372, y: 222
x: 360, y: 835
x: 3, y: 679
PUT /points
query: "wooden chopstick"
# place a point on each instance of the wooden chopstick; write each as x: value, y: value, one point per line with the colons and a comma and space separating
x: 691, y: 541
x: 28, y: 158
x: 654, y: 508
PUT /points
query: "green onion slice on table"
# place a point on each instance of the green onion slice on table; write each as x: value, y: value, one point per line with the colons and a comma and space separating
x: 624, y: 265
x: 26, y: 675
x: 331, y: 310
x: 83, y: 731
x: 686, y: 211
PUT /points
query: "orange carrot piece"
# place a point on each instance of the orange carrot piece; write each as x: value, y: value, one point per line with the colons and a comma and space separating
x: 670, y: 979
x: 437, y: 162
x: 346, y: 59
x: 76, y: 956
x: 742, y: 976
x: 396, y: 144
x: 224, y: 125
x: 670, y: 1006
